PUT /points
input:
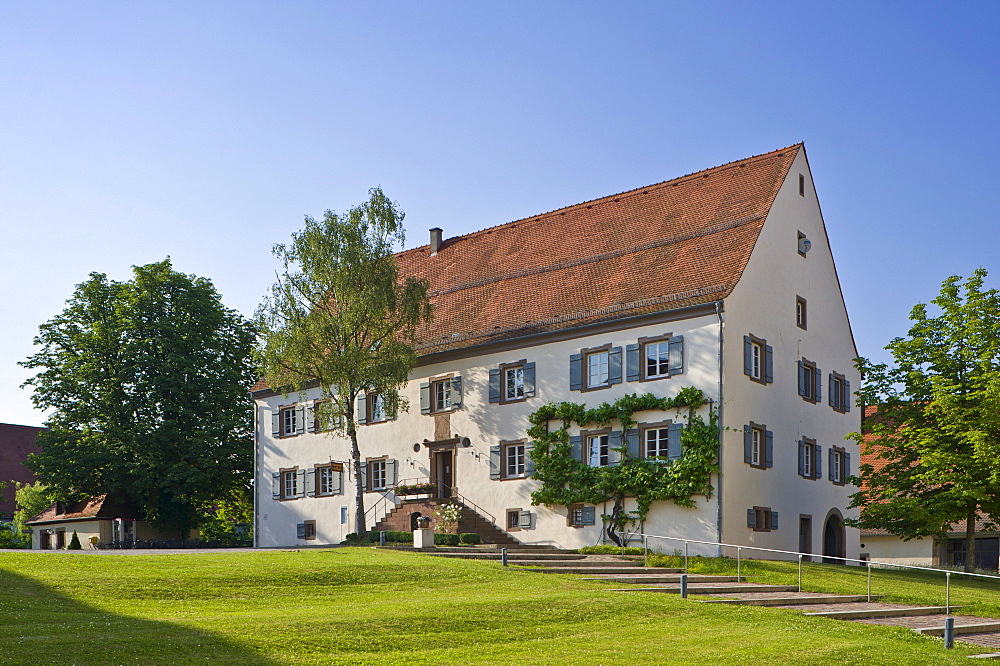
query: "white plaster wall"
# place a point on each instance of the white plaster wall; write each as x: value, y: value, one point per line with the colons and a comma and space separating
x: 485, y: 424
x: 893, y: 550
x: 84, y: 529
x: 763, y: 304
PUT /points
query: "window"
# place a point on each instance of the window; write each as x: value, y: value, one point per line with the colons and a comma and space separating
x: 810, y: 459
x: 758, y: 361
x: 329, y: 479
x: 326, y: 416
x: 288, y: 421
x: 655, y: 358
x: 840, y: 393
x: 580, y: 515
x: 595, y: 368
x: 810, y: 381
x: 596, y: 453
x: 514, y: 460
x: 758, y: 446
x: 379, y: 473
x: 800, y: 312
x: 804, y: 244
x: 657, y: 442
x: 306, y: 530
x: 802, y: 185
x: 378, y: 408
x: 840, y: 465
x: 441, y: 395
x: 762, y: 519
x: 372, y: 408
x: 512, y: 382
x: 513, y: 520
x: 289, y: 483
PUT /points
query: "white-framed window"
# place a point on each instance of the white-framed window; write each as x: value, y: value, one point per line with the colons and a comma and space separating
x: 513, y: 383
x: 377, y: 469
x: 289, y: 483
x: 757, y: 359
x: 289, y: 421
x: 596, y: 454
x: 597, y: 364
x: 800, y: 313
x: 657, y: 442
x: 379, y: 413
x: 657, y: 356
x: 810, y: 459
x: 328, y: 479
x: 756, y: 444
x: 441, y: 395
x: 514, y: 460
x: 839, y: 465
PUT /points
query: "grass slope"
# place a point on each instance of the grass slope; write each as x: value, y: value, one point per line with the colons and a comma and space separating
x: 363, y: 606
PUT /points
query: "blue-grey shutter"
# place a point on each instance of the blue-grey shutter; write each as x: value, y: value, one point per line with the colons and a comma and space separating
x: 576, y: 447
x: 674, y: 450
x: 615, y: 365
x: 832, y: 393
x: 848, y: 397
x: 632, y: 443
x: 529, y: 462
x: 847, y: 466
x: 301, y: 489
x: 819, y: 386
x: 310, y: 418
x: 456, y: 392
x: 676, y: 355
x: 768, y: 448
x: 524, y: 520
x: 774, y: 520
x: 300, y: 419
x: 575, y: 372
x: 276, y: 424
x: 769, y: 364
x: 337, y: 482
x: 802, y: 458
x: 362, y: 409
x: 747, y: 356
x: 589, y: 515
x: 495, y: 462
x: 802, y: 378
x: 391, y: 467
x: 425, y: 398
x: 830, y: 472
x: 300, y: 531
x: 632, y: 372
x: 529, y: 380
x: 276, y: 485
x: 614, y: 446
x: 310, y: 483
x: 751, y: 518
x: 818, y: 464
x: 494, y: 387
x: 748, y: 445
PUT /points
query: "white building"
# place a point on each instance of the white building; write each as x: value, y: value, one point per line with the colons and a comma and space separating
x: 723, y: 280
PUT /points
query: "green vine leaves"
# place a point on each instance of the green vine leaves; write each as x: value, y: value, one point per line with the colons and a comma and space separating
x: 566, y: 480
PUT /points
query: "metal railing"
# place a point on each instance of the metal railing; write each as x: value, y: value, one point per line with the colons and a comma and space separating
x: 740, y: 548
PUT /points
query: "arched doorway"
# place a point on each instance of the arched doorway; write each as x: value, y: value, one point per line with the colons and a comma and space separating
x: 833, y: 539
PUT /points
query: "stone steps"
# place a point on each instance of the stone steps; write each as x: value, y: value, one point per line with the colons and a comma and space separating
x: 674, y: 578
x: 868, y: 613
x: 709, y: 588
x: 793, y: 601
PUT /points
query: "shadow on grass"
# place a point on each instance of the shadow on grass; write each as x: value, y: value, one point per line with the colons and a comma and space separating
x: 40, y: 625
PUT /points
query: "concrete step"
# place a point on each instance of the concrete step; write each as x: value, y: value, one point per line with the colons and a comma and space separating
x: 977, y: 628
x: 665, y: 578
x: 706, y: 588
x: 576, y: 562
x: 868, y: 613
x: 543, y: 568
x: 550, y: 559
x: 794, y: 601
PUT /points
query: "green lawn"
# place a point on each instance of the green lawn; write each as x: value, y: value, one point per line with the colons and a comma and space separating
x: 364, y: 606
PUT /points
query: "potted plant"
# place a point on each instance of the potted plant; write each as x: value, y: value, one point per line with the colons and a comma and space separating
x: 423, y: 522
x: 416, y: 489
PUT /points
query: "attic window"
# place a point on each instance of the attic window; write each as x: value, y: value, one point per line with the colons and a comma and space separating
x: 802, y: 185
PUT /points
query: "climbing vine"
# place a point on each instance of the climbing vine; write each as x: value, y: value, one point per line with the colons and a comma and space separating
x: 567, y: 480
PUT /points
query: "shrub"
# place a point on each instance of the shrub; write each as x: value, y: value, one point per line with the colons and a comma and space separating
x: 445, y: 539
x: 11, y: 539
x: 448, y: 516
x: 74, y: 543
x: 470, y: 538
x: 609, y: 550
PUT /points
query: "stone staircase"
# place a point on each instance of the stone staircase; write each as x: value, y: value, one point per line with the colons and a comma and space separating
x: 399, y: 519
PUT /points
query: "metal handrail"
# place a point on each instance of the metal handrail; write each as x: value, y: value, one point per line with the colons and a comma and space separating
x: 469, y: 503
x: 869, y: 563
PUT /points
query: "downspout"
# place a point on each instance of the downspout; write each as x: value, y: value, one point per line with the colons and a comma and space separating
x: 718, y: 313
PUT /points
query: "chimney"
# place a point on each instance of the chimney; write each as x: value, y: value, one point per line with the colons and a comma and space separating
x: 435, y: 240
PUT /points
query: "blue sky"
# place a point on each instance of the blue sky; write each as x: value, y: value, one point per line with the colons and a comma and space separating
x: 205, y: 131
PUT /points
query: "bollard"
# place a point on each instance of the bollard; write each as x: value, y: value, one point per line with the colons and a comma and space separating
x: 381, y: 538
x: 503, y: 556
x: 949, y: 632
x: 684, y: 586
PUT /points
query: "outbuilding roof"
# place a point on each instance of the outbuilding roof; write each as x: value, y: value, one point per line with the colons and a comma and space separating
x: 99, y: 507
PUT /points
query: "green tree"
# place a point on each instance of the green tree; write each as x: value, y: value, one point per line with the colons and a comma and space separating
x: 30, y: 500
x: 340, y: 317
x: 937, y: 428
x: 149, y: 385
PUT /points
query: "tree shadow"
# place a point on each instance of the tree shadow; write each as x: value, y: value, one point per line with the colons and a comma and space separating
x: 41, y: 625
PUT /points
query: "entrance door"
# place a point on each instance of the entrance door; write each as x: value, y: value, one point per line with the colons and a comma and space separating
x: 444, y: 472
x: 805, y: 535
x: 833, y: 540
x: 60, y: 539
x: 44, y: 540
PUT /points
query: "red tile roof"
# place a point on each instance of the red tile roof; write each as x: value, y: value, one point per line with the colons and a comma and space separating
x: 17, y: 442
x: 101, y: 506
x: 677, y: 243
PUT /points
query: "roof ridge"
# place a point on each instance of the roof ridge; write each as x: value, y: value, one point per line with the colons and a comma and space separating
x: 603, y: 199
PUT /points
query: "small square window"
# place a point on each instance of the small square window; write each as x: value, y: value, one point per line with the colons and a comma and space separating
x: 580, y: 515
x: 513, y: 520
x: 309, y: 529
x: 800, y: 312
x: 762, y: 519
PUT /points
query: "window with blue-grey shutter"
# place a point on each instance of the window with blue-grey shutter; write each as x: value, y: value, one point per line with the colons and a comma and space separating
x: 614, y: 447
x: 309, y: 483
x: 276, y: 423
x: 748, y: 444
x: 301, y: 486
x: 276, y: 485
x: 300, y: 419
x: 494, y: 387
x: 818, y: 472
x: 632, y: 443
x: 576, y: 372
x: 300, y: 531
x: 674, y: 441
x: 615, y: 365
x: 362, y: 409
x: 632, y: 372
x: 758, y: 359
x: 774, y: 520
x: 425, y: 398
x: 810, y: 381
x: 456, y: 392
x: 529, y: 463
x: 751, y: 519
x: 529, y: 380
x: 758, y: 446
x: 495, y: 461
x: 676, y: 355
x: 768, y: 448
x: 576, y: 447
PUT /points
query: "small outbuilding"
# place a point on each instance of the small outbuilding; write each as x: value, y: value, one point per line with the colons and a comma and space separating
x: 105, y: 520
